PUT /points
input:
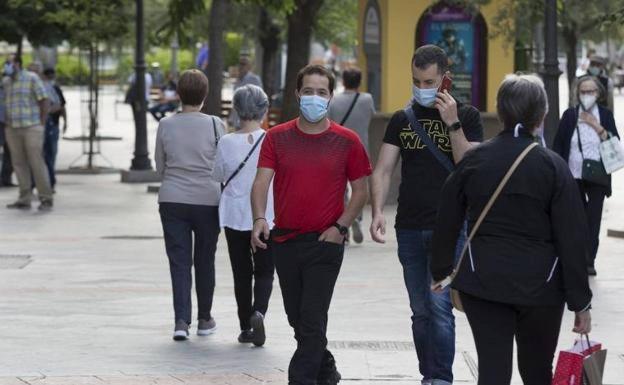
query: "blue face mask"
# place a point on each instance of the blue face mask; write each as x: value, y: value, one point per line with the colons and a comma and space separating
x: 313, y: 107
x: 8, y: 69
x: 594, y: 71
x: 424, y: 96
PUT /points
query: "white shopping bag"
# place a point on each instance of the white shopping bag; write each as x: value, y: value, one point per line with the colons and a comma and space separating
x: 612, y: 154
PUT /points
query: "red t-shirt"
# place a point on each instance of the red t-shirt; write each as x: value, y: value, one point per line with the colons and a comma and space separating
x: 311, y: 173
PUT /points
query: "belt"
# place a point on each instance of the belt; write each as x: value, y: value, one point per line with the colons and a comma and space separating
x: 286, y: 235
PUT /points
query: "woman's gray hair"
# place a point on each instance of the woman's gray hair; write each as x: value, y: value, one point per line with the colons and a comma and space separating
x: 577, y: 87
x: 522, y: 100
x: 250, y: 102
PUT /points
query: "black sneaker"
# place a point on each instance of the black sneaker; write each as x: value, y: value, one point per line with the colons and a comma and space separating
x: 591, y: 271
x: 328, y: 374
x: 46, y: 206
x: 333, y: 379
x: 19, y: 206
x: 246, y: 337
x: 181, y: 331
x: 257, y: 324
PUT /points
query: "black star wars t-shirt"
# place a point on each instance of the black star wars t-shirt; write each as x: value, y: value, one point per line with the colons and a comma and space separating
x: 422, y: 175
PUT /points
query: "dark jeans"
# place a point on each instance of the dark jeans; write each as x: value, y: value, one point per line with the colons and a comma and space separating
x: 50, y: 148
x: 181, y: 223
x: 160, y: 110
x: 307, y: 271
x: 433, y: 323
x: 248, y: 267
x: 7, y: 166
x: 494, y: 326
x: 593, y: 197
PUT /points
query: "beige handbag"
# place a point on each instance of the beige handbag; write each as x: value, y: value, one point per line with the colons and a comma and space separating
x: 455, y: 298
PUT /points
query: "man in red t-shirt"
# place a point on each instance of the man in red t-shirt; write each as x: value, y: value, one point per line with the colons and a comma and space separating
x: 311, y: 159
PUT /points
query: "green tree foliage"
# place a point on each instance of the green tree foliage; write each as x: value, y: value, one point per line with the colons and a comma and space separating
x: 88, y: 22
x: 30, y: 19
x: 577, y: 19
x: 337, y: 23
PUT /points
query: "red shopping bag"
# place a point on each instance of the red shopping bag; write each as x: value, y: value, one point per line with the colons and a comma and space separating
x: 569, y: 370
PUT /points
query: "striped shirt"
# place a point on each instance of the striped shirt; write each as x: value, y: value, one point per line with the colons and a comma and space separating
x: 22, y: 95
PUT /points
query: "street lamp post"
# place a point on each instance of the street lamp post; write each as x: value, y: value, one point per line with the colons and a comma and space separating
x: 551, y: 71
x: 141, y: 159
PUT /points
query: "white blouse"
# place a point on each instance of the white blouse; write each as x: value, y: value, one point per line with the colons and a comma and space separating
x: 235, y: 205
x: 591, y: 145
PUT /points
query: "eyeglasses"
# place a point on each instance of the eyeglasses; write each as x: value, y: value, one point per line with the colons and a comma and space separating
x: 588, y: 92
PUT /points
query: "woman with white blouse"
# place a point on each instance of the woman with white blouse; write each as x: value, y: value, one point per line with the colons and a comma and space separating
x: 593, y: 124
x: 235, y: 169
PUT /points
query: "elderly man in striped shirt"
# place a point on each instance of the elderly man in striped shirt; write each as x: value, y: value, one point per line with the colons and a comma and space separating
x: 26, y: 110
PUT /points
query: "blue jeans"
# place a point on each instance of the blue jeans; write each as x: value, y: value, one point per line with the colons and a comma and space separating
x: 191, y: 233
x: 433, y: 323
x: 50, y: 148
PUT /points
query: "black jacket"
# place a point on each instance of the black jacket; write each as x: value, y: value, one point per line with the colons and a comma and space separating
x: 530, y: 249
x: 567, y: 125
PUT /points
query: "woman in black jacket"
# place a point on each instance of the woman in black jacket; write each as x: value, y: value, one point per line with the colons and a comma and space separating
x: 595, y: 124
x: 511, y: 281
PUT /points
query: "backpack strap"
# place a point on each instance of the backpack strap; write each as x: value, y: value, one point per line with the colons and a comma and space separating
x: 420, y: 131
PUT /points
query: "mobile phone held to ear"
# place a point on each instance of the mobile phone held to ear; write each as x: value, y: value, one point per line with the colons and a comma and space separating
x: 446, y: 85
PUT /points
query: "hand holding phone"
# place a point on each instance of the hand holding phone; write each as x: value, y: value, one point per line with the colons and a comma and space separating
x: 446, y: 84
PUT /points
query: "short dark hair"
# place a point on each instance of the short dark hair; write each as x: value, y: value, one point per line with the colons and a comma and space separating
x: 521, y: 99
x: 17, y: 59
x: 430, y: 54
x: 49, y: 72
x: 316, y: 69
x: 192, y: 87
x: 352, y: 77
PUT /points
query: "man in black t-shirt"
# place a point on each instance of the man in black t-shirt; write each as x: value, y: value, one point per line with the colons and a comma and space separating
x: 454, y: 128
x: 52, y: 127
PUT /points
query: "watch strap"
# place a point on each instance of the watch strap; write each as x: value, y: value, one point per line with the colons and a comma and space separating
x: 455, y: 126
x: 341, y: 229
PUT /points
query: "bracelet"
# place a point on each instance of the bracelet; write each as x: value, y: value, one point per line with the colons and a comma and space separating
x: 257, y: 219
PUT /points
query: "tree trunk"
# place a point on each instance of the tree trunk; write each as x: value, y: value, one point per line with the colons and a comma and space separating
x: 571, y: 41
x: 19, y: 46
x: 269, y: 40
x: 300, y: 25
x: 212, y: 105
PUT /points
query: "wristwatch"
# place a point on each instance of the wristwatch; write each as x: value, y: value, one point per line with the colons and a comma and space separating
x: 455, y: 126
x: 343, y: 230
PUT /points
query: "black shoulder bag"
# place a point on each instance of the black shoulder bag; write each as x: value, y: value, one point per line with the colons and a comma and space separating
x: 240, y: 166
x: 593, y: 170
x: 355, y: 98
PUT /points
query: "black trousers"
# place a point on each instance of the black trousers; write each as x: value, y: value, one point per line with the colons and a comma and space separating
x: 593, y: 197
x: 307, y: 271
x: 494, y: 326
x: 7, y: 166
x: 248, y: 267
x: 181, y: 223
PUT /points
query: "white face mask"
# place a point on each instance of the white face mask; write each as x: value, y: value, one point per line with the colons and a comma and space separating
x: 587, y: 101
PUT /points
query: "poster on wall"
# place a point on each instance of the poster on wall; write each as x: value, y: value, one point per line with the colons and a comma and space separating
x: 462, y: 35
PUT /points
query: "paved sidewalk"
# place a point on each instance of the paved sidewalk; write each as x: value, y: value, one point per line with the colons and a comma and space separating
x: 92, y: 305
